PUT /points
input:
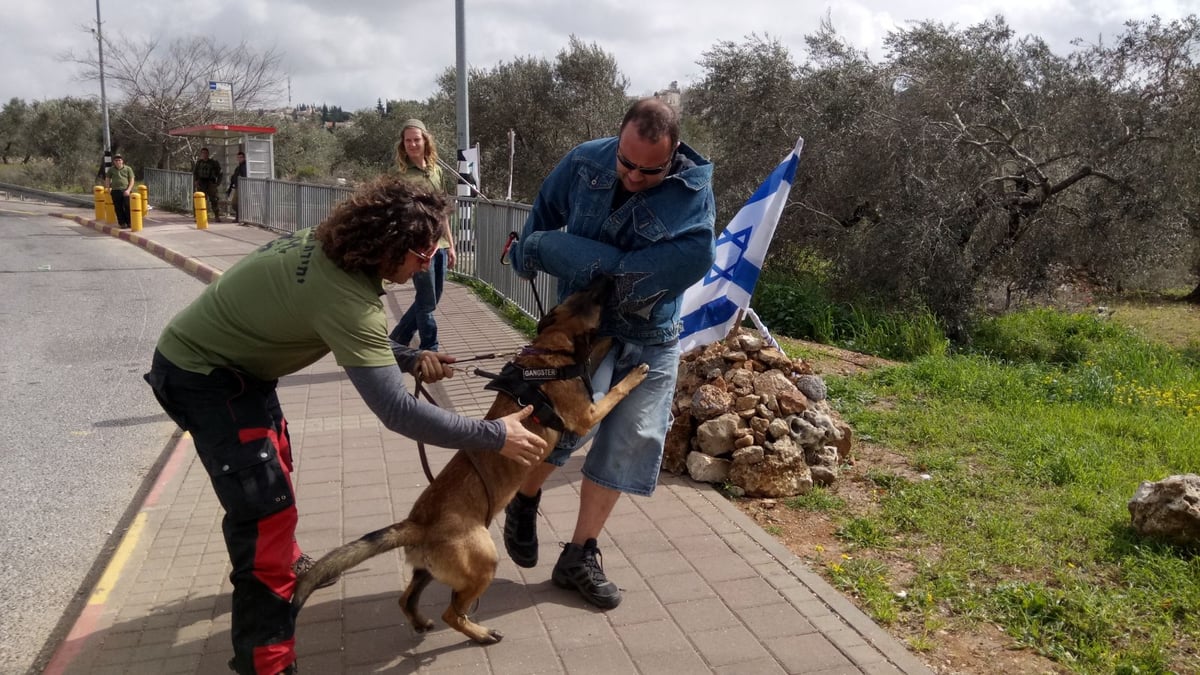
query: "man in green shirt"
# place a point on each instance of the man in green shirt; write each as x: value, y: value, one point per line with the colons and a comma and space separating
x: 119, y: 181
x: 276, y: 311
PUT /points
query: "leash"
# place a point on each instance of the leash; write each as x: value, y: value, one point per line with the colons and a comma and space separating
x: 505, y: 260
x: 418, y: 391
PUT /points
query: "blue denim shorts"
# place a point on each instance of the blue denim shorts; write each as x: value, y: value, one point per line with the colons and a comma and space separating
x: 627, y: 446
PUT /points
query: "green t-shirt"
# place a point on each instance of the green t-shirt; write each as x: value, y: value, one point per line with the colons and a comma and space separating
x: 279, y: 309
x: 120, y: 179
x: 431, y: 178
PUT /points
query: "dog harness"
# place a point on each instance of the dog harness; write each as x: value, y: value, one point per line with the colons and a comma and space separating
x: 524, y: 385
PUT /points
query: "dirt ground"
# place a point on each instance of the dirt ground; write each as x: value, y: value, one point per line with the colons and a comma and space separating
x: 977, y: 649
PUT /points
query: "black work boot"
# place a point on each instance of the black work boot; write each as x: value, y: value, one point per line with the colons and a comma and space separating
x: 520, y: 529
x: 578, y: 567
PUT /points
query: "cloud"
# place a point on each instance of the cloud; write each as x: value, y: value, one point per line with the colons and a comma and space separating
x: 353, y: 52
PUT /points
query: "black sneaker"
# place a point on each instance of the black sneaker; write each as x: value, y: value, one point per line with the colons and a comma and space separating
x: 520, y: 529
x: 305, y: 563
x: 579, y: 567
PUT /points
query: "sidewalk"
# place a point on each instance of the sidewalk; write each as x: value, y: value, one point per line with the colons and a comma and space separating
x: 705, y: 588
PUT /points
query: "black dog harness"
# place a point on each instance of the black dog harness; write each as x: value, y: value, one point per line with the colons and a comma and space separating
x: 524, y: 385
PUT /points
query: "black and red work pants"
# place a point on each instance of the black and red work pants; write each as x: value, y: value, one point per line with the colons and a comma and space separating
x: 242, y: 440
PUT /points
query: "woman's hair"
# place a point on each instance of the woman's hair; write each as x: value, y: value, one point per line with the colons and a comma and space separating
x: 431, y: 156
x: 377, y: 225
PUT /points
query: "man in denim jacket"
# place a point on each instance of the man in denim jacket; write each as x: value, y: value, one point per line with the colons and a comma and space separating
x: 639, y: 207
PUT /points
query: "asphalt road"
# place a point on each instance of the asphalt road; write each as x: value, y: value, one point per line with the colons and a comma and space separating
x: 80, y: 313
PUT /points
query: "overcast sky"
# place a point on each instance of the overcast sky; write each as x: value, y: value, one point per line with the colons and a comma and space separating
x: 353, y: 52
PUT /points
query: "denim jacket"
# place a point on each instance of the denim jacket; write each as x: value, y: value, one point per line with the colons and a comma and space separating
x: 656, y: 245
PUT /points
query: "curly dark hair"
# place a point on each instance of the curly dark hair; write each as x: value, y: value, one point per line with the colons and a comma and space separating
x: 377, y: 225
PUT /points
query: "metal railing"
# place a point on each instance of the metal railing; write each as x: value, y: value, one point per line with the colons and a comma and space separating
x: 285, y: 206
x: 169, y: 189
x: 480, y: 228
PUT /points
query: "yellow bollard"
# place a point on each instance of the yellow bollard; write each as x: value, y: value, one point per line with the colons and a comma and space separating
x: 110, y: 212
x: 145, y: 193
x: 98, y: 195
x: 200, y: 206
x: 135, y: 211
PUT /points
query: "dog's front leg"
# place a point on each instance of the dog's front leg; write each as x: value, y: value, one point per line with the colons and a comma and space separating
x: 600, y: 409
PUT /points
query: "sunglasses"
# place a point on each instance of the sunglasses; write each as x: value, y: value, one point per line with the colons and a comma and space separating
x: 644, y: 170
x: 423, y: 257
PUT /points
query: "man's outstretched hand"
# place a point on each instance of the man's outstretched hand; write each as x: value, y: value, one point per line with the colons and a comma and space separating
x: 520, y: 444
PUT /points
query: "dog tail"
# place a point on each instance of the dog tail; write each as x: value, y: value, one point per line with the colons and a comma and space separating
x: 344, y: 557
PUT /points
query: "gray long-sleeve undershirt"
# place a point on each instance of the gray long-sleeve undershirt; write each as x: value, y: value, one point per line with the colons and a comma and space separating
x: 385, y: 393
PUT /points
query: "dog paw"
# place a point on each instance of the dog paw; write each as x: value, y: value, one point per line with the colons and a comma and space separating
x: 423, y: 626
x: 643, y: 368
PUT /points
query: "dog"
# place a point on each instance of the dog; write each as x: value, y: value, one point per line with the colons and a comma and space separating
x: 445, y: 536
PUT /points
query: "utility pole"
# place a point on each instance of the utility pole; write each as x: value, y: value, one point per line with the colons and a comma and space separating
x: 461, y: 108
x: 103, y: 98
x: 460, y: 35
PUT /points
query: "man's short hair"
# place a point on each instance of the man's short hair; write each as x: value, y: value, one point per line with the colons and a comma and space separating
x: 653, y: 119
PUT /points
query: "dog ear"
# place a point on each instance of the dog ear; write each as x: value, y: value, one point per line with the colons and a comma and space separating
x: 548, y: 320
x: 601, y: 287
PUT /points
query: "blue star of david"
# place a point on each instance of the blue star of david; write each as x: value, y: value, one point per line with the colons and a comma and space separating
x: 740, y: 239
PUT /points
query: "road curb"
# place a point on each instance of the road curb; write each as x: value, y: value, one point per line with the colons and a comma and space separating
x: 192, y: 266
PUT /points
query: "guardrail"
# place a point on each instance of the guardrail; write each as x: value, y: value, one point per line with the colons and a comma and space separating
x: 22, y: 192
x: 480, y: 228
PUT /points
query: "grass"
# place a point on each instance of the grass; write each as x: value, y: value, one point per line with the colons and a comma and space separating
x: 1035, y: 442
x: 508, y: 309
x: 1178, y: 326
x: 793, y: 299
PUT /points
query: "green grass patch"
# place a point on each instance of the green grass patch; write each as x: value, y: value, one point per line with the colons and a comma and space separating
x: 507, y: 308
x: 818, y: 499
x: 1176, y: 323
x: 800, y: 307
x: 1035, y: 443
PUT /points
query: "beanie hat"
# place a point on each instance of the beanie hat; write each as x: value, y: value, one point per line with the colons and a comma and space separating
x: 416, y: 124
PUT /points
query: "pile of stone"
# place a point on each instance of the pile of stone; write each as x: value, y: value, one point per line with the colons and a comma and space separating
x: 749, y: 417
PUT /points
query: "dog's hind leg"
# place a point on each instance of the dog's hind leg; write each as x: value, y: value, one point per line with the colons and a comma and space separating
x: 461, y: 600
x: 469, y: 572
x: 412, y: 597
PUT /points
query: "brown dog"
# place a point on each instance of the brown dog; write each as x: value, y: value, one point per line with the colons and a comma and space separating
x: 445, y: 536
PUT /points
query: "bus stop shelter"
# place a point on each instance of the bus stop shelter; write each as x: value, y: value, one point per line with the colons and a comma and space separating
x: 225, y: 140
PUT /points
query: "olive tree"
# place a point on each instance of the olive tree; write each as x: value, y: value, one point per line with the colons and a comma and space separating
x: 549, y: 106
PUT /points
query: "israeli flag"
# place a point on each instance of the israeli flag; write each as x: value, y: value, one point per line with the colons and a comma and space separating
x: 710, y: 307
